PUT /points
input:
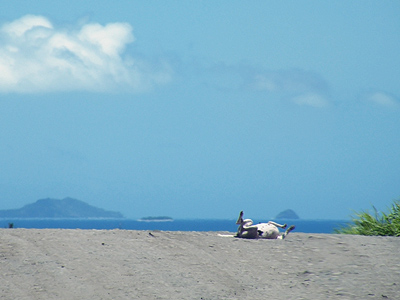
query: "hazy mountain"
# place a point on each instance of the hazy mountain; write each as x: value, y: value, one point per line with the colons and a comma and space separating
x: 54, y: 208
x: 287, y: 214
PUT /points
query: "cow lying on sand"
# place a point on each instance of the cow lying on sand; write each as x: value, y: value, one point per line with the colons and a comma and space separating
x: 268, y: 230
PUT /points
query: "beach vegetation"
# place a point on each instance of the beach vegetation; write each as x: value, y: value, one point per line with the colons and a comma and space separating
x: 383, y: 224
x: 10, y: 225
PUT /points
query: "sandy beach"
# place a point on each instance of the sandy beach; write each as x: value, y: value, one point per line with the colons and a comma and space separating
x: 127, y: 264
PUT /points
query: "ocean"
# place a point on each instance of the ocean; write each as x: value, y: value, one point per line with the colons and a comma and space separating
x: 305, y: 226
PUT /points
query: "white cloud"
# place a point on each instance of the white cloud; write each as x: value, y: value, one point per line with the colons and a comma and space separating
x: 311, y: 99
x: 289, y: 81
x: 383, y: 99
x: 300, y: 87
x: 111, y: 38
x: 22, y: 25
x: 37, y: 57
x: 296, y: 86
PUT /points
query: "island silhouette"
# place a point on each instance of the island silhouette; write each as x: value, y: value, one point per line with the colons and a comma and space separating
x: 55, y: 208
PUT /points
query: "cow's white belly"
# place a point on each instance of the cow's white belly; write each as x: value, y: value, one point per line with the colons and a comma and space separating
x: 267, y: 231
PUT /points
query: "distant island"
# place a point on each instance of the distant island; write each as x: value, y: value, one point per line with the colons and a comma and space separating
x: 54, y: 208
x: 156, y: 219
x: 287, y: 214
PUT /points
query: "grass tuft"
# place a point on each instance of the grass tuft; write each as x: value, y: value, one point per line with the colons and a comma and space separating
x: 366, y: 224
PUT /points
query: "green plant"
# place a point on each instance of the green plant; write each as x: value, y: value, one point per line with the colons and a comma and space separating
x: 367, y: 224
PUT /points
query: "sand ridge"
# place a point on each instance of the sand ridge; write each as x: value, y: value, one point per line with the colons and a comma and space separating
x: 129, y: 264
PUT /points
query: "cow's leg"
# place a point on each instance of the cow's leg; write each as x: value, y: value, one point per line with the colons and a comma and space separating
x: 287, y: 232
x: 278, y: 225
x: 240, y: 222
x: 249, y: 232
x: 246, y: 228
x: 240, y: 219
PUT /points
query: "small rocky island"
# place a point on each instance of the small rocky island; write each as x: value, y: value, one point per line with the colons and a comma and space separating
x: 156, y: 219
x: 287, y: 214
x: 54, y: 208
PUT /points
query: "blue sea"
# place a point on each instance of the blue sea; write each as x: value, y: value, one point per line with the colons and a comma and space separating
x: 306, y: 226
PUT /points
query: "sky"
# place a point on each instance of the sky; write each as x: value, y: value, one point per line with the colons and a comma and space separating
x: 200, y: 109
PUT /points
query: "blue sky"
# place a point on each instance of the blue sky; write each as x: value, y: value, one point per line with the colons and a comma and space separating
x: 201, y: 109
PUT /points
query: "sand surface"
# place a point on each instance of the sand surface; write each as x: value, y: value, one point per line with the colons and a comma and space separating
x: 127, y: 264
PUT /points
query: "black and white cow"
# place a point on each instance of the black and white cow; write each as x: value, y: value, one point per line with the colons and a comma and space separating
x: 268, y: 230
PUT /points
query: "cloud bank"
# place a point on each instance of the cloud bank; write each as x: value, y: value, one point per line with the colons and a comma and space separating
x: 300, y: 87
x: 37, y: 57
x: 382, y: 99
